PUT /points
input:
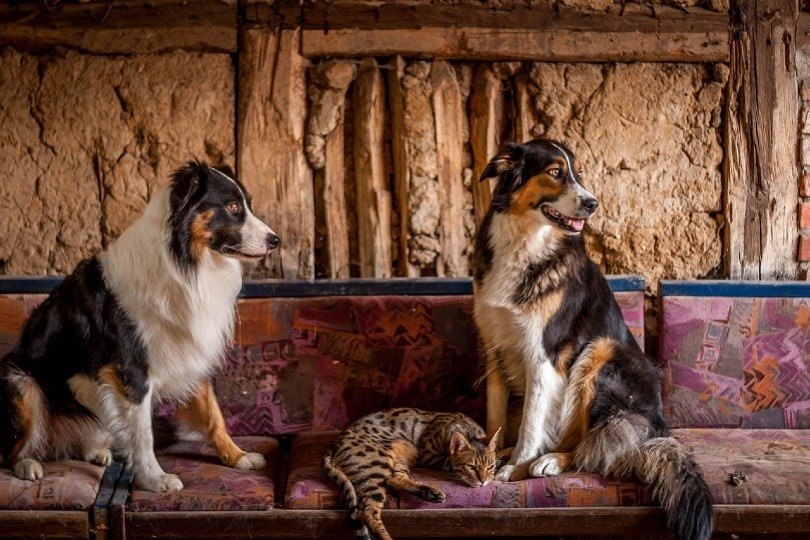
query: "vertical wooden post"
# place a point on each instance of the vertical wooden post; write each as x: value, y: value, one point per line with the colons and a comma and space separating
x: 448, y: 109
x: 761, y: 150
x: 270, y: 133
x: 399, y: 151
x: 486, y: 110
x: 526, y: 115
x: 373, y: 197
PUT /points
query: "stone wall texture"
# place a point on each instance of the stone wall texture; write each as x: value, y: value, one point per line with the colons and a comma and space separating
x: 86, y: 139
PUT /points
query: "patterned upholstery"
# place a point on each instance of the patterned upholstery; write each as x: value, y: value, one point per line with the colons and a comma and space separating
x: 319, y: 363
x: 736, y: 362
x: 209, y: 485
x: 308, y: 488
x: 66, y: 485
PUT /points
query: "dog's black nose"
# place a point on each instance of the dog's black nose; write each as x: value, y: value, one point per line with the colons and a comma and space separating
x: 272, y: 241
x: 590, y: 204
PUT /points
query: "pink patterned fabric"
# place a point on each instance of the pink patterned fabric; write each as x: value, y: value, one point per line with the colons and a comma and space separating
x: 309, y: 488
x: 736, y: 362
x: 209, y: 485
x: 66, y: 485
x: 306, y: 364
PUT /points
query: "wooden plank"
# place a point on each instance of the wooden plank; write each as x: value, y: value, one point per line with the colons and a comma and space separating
x: 517, y: 32
x: 761, y: 145
x: 448, y: 110
x: 271, y: 116
x: 57, y: 524
x: 399, y: 151
x: 526, y: 118
x: 459, y: 522
x: 334, y: 204
x: 486, y: 116
x: 373, y: 197
x: 121, y: 27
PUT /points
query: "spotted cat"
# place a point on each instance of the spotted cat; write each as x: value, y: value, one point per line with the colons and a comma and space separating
x: 377, y: 452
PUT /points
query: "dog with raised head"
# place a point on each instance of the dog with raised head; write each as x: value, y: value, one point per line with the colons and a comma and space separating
x: 557, y: 345
x: 147, y: 320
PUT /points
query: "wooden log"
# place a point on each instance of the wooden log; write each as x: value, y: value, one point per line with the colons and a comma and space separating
x: 526, y: 117
x: 121, y: 27
x: 57, y: 524
x: 399, y: 151
x: 761, y: 142
x: 270, y: 133
x: 325, y: 151
x: 448, y: 110
x: 373, y: 197
x: 486, y: 115
x: 519, y: 33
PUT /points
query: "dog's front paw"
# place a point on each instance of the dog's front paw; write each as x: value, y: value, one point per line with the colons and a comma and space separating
x: 28, y: 469
x: 250, y: 460
x: 546, y: 465
x: 161, y: 483
x: 504, y: 474
x: 102, y: 457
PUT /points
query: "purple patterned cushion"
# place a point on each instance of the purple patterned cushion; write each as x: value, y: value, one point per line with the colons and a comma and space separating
x: 308, y: 488
x: 66, y: 485
x: 775, y: 462
x: 209, y: 485
x: 319, y: 363
x: 736, y: 362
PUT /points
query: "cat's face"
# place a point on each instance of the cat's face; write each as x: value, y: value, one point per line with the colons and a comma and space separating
x: 474, y: 460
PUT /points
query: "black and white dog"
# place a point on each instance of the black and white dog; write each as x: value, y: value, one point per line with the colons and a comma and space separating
x: 148, y: 319
x: 558, y: 346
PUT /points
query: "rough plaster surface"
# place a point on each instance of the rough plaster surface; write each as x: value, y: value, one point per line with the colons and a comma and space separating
x: 85, y: 140
x: 648, y: 140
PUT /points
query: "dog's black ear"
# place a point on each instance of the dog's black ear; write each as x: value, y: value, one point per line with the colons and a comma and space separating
x: 186, y: 182
x: 507, y: 159
x: 226, y: 169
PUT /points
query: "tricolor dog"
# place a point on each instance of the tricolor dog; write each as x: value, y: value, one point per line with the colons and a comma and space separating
x: 558, y: 347
x: 146, y: 320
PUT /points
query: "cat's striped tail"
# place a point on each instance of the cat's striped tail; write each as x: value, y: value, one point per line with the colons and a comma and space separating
x: 618, y: 447
x: 349, y: 495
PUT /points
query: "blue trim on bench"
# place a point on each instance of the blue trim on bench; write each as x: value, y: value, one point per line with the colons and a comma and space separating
x: 740, y: 289
x: 325, y: 287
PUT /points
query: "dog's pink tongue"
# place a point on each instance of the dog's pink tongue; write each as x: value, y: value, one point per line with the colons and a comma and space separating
x: 576, y: 224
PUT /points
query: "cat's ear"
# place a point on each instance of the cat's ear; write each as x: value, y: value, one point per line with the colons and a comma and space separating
x: 493, y: 442
x: 458, y: 442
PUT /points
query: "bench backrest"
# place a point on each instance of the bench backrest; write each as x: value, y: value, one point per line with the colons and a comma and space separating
x: 736, y: 354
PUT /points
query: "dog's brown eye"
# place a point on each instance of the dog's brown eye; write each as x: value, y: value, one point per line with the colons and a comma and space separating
x: 555, y: 172
x: 233, y: 207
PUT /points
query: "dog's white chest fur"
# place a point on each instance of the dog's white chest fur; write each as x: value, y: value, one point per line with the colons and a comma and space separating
x: 185, y: 320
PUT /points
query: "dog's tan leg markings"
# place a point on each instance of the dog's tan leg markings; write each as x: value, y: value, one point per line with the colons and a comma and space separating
x: 497, y: 398
x: 202, y: 413
x: 552, y: 464
x: 24, y: 454
x: 581, y: 392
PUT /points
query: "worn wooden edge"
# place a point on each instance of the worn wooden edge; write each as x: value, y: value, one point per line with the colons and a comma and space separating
x: 56, y: 524
x: 122, y: 27
x: 459, y: 522
x: 99, y: 516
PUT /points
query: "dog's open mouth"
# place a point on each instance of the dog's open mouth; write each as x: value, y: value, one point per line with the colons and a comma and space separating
x: 564, y: 222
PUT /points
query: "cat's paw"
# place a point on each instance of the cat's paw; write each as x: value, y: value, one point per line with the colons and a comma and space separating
x: 546, y: 465
x: 28, y: 469
x: 250, y: 460
x: 431, y: 494
x: 160, y: 484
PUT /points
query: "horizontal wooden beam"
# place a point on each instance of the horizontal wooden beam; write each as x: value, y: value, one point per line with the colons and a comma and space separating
x: 57, y: 524
x: 121, y: 27
x: 518, y: 33
x: 458, y: 522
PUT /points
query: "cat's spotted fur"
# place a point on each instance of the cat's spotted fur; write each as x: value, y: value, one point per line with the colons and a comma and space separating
x: 377, y: 452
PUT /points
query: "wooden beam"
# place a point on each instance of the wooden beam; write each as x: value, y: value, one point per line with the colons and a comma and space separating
x: 57, y: 524
x: 761, y: 167
x: 399, y: 151
x: 121, y: 27
x: 518, y: 33
x: 448, y: 110
x: 526, y: 117
x: 271, y: 114
x: 486, y: 116
x: 373, y: 196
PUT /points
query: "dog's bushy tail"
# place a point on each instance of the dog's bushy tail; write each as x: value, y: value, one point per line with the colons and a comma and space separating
x: 618, y: 447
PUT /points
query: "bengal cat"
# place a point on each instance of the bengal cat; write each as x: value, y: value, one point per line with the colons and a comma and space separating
x: 377, y: 452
